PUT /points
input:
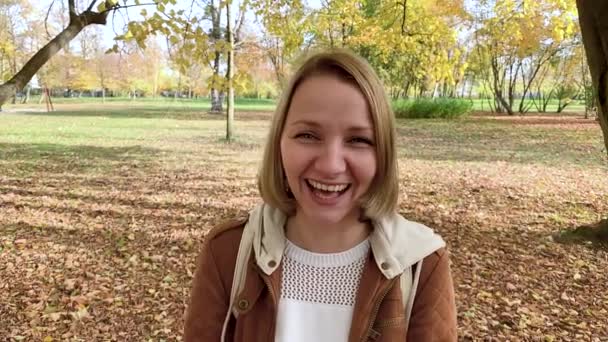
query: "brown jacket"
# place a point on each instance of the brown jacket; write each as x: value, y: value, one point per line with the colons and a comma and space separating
x: 378, y: 313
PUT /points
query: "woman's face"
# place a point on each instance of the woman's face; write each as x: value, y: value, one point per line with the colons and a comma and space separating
x: 327, y: 149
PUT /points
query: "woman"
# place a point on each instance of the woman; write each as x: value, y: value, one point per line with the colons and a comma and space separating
x: 330, y: 258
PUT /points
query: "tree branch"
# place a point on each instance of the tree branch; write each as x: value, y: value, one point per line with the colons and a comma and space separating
x: 90, y: 8
x: 135, y: 5
x: 404, y: 13
x: 72, y: 10
x: 240, y: 20
x: 46, y: 19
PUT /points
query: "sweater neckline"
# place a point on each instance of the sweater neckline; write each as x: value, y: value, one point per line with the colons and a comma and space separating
x: 344, y: 258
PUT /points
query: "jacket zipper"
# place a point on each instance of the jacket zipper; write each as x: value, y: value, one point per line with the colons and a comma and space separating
x: 391, y: 323
x: 273, y: 295
x: 376, y: 310
x: 269, y: 286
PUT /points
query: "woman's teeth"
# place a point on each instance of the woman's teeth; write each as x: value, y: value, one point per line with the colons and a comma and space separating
x: 328, y: 188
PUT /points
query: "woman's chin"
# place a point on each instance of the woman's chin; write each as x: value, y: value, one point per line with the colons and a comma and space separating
x: 329, y: 217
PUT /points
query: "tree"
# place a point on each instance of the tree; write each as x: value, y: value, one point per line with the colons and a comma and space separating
x: 412, y: 44
x: 16, y: 20
x: 99, y: 65
x: 285, y: 25
x: 515, y: 40
x: 594, y: 28
x: 210, y: 48
x: 77, y: 21
x: 255, y: 76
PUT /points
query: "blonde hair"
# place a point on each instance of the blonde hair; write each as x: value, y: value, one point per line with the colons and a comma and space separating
x: 382, y: 195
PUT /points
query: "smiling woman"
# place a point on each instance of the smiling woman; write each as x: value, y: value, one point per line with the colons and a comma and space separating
x: 326, y: 257
x: 329, y: 160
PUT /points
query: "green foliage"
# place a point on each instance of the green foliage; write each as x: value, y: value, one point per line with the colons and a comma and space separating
x: 565, y: 95
x: 441, y: 108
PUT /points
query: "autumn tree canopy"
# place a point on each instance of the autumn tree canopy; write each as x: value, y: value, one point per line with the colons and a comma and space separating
x: 520, y: 55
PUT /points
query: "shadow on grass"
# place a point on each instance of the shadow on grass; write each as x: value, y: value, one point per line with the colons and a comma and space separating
x: 105, y: 244
x: 56, y: 157
x: 93, y: 240
x: 140, y: 203
x: 594, y: 234
x: 172, y: 219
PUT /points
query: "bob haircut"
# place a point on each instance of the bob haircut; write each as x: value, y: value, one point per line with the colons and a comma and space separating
x: 382, y: 195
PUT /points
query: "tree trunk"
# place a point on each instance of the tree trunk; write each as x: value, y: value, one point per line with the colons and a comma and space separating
x: 217, y: 101
x: 26, y: 98
x: 42, y: 95
x: 498, y: 88
x: 216, y: 34
x: 561, y: 106
x: 594, y: 27
x: 23, y: 76
x: 230, y: 75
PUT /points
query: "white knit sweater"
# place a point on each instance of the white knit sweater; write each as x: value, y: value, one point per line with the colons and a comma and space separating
x: 318, y: 294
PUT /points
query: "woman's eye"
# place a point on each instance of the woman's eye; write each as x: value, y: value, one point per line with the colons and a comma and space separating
x: 361, y: 140
x: 305, y: 136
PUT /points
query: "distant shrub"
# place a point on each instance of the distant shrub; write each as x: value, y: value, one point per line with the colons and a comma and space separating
x: 441, y: 108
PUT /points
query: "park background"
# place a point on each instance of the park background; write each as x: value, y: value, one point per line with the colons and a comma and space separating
x: 120, y: 151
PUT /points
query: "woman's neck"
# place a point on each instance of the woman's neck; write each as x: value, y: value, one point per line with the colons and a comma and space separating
x: 323, y: 238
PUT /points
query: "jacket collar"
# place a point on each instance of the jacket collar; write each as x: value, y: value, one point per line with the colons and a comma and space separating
x: 396, y: 243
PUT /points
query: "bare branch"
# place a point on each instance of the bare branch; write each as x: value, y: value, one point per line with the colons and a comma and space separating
x: 71, y: 6
x: 114, y: 23
x: 240, y: 20
x: 202, y: 6
x: 90, y: 8
x: 46, y: 19
x: 117, y: 7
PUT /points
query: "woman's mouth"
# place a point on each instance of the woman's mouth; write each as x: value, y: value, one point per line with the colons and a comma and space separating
x: 327, y: 191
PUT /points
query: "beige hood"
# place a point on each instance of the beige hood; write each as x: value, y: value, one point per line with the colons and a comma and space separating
x: 395, y: 242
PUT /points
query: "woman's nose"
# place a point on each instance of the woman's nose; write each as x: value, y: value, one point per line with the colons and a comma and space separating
x: 331, y: 159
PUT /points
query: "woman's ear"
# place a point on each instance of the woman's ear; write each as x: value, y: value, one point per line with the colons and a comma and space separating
x: 287, y: 188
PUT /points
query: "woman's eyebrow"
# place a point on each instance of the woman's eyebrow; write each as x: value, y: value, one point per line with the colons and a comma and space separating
x: 311, y: 123
x: 361, y: 129
x: 306, y: 123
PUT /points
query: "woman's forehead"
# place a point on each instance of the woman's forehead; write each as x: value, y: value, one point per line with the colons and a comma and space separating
x: 328, y: 98
x: 351, y: 125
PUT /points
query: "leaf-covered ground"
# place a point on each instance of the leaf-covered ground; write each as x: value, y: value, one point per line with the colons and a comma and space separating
x: 102, y: 212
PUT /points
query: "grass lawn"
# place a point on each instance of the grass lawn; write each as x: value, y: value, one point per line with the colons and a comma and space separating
x: 102, y: 209
x: 162, y: 104
x: 575, y: 106
x: 156, y: 103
